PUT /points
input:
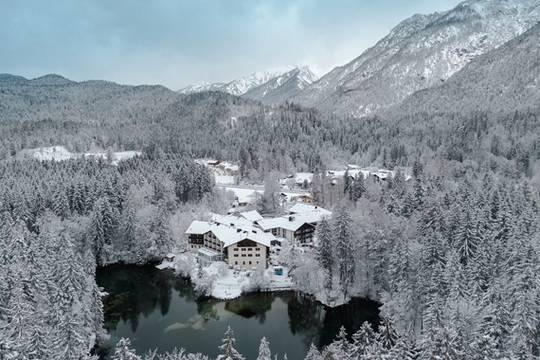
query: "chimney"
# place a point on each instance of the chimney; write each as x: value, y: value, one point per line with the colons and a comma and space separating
x: 291, y: 218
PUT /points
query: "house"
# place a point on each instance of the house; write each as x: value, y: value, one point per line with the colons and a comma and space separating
x: 245, y: 240
x: 230, y: 238
x: 298, y: 226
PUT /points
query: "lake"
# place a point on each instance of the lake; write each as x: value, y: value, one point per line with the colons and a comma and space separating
x: 156, y: 309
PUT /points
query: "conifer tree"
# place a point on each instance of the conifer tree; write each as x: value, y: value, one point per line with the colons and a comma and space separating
x: 227, y: 349
x: 264, y: 350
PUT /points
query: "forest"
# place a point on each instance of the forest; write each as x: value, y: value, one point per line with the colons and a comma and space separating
x: 452, y: 253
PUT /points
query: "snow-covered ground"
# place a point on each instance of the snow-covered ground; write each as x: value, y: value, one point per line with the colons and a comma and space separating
x: 222, y: 282
x: 245, y: 195
x: 60, y: 153
x: 224, y: 179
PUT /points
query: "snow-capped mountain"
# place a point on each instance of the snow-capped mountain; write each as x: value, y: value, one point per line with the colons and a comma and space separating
x: 420, y: 52
x: 283, y: 87
x: 507, y: 77
x: 238, y: 86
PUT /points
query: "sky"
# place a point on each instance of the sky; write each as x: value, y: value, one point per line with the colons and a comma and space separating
x: 178, y: 42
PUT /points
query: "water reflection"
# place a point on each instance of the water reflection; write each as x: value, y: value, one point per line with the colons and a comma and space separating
x: 156, y: 309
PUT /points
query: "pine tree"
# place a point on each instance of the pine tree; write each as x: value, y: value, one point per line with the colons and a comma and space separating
x: 325, y: 254
x: 344, y: 247
x: 313, y: 353
x: 124, y: 352
x: 60, y: 203
x: 264, y: 350
x: 227, y: 349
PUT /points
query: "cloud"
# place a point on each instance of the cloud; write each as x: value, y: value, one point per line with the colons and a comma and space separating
x: 175, y: 42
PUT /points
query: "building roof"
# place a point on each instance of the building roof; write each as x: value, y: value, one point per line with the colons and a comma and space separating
x: 230, y: 229
x: 300, y: 214
x: 232, y: 220
x: 300, y: 208
x: 198, y: 227
x: 252, y: 215
x: 288, y: 222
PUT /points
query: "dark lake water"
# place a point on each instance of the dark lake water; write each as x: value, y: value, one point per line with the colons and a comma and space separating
x: 156, y: 309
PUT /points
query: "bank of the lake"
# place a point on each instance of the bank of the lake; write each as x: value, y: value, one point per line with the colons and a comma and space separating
x: 157, y: 309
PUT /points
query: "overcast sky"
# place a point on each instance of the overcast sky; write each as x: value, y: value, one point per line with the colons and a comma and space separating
x: 175, y: 42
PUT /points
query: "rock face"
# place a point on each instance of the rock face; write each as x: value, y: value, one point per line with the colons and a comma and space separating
x: 283, y: 87
x: 421, y: 52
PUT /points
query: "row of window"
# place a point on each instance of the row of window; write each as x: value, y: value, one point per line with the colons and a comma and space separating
x: 244, y: 263
x: 248, y: 255
x: 247, y: 249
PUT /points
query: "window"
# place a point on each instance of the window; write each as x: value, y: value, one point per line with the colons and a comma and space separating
x: 235, y: 249
x: 236, y: 263
x: 243, y: 263
x: 243, y: 255
x: 250, y: 255
x: 257, y: 262
x: 250, y: 263
x: 257, y: 255
x: 235, y: 255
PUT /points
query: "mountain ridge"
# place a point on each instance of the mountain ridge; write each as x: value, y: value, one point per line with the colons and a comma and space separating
x: 420, y: 52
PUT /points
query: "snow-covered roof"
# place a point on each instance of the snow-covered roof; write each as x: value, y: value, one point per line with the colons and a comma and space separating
x: 299, y: 208
x: 300, y: 214
x: 198, y: 227
x: 289, y: 222
x: 232, y: 220
x: 252, y: 215
x: 230, y: 229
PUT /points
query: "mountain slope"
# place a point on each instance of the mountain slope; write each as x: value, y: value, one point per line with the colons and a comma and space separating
x: 283, y: 87
x: 505, y: 79
x: 57, y: 98
x: 420, y: 52
x: 235, y: 87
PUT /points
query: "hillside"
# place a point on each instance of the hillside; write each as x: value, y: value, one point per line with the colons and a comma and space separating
x: 421, y: 52
x: 283, y: 87
x: 57, y: 98
x: 503, y: 80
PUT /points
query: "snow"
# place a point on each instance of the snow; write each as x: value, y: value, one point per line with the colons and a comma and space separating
x: 198, y: 227
x: 244, y: 195
x: 60, y: 153
x: 224, y: 179
x: 302, y: 177
x: 252, y: 215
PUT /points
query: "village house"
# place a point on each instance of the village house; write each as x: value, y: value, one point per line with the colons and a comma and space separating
x: 245, y: 240
x: 232, y: 239
x: 298, y: 226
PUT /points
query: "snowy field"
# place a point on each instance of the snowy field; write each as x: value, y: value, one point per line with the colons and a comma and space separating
x: 60, y: 153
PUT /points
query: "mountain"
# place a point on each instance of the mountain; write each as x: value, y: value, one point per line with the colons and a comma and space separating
x: 283, y: 87
x: 53, y: 97
x: 421, y: 52
x: 235, y: 87
x: 505, y: 79
x: 51, y: 80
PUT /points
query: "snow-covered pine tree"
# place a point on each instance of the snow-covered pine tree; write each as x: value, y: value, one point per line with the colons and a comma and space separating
x: 325, y: 254
x: 227, y: 349
x: 123, y: 351
x: 264, y: 350
x: 344, y: 247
